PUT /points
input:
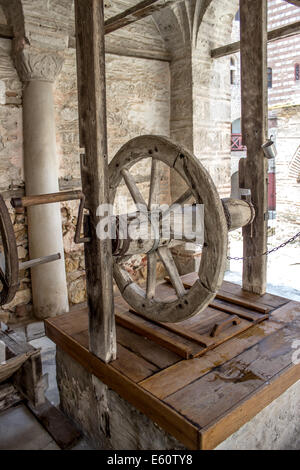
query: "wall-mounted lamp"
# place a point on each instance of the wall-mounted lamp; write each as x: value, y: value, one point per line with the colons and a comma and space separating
x: 269, y: 148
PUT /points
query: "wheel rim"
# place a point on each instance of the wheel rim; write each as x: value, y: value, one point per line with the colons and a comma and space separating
x: 9, y: 276
x: 212, y: 266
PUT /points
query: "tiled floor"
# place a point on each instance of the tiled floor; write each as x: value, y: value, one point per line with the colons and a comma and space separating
x: 19, y: 430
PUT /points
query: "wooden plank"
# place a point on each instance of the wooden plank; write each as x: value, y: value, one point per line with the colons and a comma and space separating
x: 180, y: 375
x: 75, y: 321
x: 235, y: 380
x: 234, y: 294
x: 157, y: 355
x: 258, y: 302
x: 254, y: 129
x: 279, y: 33
x: 237, y: 300
x: 267, y: 300
x: 182, y: 331
x: 135, y: 13
x: 215, y: 433
x: 241, y: 311
x: 155, y: 409
x: 56, y: 424
x: 294, y: 2
x: 288, y: 313
x: 133, y: 365
x: 89, y: 21
x: 157, y: 336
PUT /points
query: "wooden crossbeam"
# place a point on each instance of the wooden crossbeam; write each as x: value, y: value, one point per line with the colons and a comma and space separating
x: 279, y: 33
x: 294, y: 2
x: 135, y: 13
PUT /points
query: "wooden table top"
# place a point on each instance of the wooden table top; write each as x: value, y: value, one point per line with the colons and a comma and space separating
x: 203, y: 400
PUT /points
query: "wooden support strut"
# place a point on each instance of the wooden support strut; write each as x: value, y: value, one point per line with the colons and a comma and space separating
x: 273, y: 35
x: 89, y: 23
x: 135, y: 13
x: 253, y: 169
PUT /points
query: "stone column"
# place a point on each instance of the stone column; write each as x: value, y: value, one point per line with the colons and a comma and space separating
x: 49, y: 286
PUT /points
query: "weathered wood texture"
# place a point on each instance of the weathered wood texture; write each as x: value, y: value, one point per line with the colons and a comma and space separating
x: 204, y: 400
x: 52, y: 198
x: 93, y: 138
x: 294, y: 2
x: 254, y: 129
x: 6, y: 31
x: 273, y: 35
x: 23, y: 366
x: 9, y: 396
x: 56, y: 424
x: 135, y: 13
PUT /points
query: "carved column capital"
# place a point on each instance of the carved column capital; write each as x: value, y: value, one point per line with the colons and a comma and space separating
x: 36, y: 65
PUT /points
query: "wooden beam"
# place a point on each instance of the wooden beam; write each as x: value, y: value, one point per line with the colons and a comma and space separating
x: 135, y: 13
x: 89, y: 21
x: 253, y: 169
x: 279, y: 33
x: 6, y: 32
x: 294, y: 2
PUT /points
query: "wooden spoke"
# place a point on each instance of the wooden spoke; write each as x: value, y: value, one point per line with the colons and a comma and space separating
x: 181, y: 200
x: 132, y: 186
x: 151, y: 275
x: 154, y: 185
x: 169, y: 263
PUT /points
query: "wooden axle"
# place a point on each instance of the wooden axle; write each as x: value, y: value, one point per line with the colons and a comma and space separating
x: 138, y: 234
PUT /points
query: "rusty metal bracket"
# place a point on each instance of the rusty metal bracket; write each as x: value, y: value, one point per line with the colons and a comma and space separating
x: 77, y: 238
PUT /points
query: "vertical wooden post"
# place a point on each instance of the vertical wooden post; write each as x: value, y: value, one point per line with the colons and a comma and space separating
x: 89, y: 20
x: 253, y: 170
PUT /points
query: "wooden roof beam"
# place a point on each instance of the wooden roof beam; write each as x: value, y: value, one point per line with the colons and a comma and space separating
x: 294, y: 2
x: 273, y: 35
x: 135, y: 13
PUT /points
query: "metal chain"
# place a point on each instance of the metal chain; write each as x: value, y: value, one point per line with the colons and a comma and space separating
x: 266, y: 253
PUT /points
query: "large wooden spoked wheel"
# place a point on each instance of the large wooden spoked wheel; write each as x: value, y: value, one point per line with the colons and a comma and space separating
x: 202, y: 188
x: 9, y: 264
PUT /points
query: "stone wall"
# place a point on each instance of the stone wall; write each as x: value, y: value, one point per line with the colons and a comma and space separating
x: 11, y: 168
